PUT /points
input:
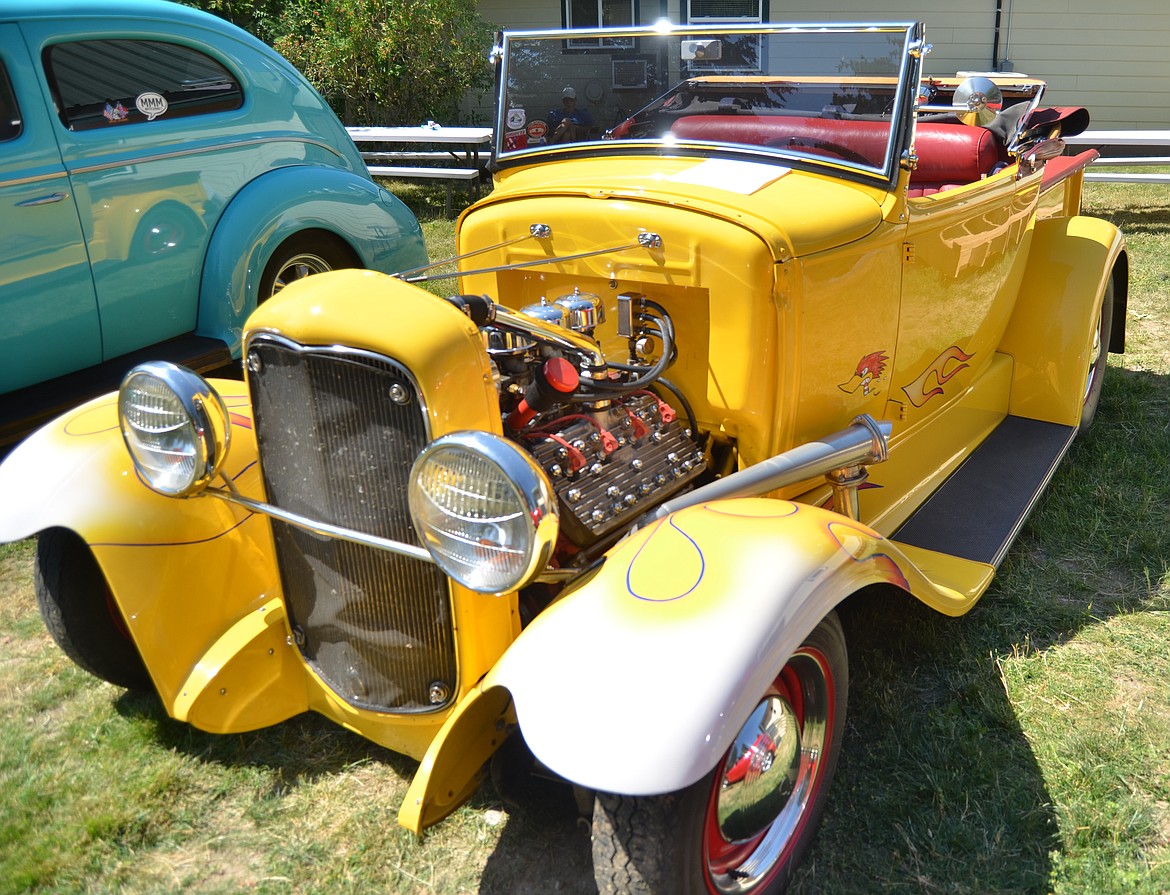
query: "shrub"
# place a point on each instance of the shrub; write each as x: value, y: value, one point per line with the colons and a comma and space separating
x: 260, y: 17
x: 387, y: 61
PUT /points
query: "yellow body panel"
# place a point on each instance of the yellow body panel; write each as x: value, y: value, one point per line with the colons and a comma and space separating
x: 369, y: 310
x: 1051, y: 328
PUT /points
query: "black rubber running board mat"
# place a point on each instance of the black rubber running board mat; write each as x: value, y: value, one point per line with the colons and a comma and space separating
x: 980, y: 508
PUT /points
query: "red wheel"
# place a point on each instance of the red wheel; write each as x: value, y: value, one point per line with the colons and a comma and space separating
x: 742, y: 829
x: 1098, y: 354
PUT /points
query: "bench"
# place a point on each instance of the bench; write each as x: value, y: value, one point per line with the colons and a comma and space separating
x: 949, y: 155
x: 410, y: 155
x: 403, y: 172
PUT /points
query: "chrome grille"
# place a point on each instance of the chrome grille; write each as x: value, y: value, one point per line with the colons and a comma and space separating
x: 338, y: 430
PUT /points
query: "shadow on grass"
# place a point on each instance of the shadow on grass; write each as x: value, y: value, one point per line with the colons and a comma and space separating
x: 301, y: 750
x: 543, y: 847
x: 427, y: 200
x: 938, y: 788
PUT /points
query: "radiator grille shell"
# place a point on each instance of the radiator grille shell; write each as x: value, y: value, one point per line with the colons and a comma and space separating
x: 338, y: 430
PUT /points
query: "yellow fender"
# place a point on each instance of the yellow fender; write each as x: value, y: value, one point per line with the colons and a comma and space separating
x: 1051, y: 328
x: 194, y: 579
x: 638, y: 680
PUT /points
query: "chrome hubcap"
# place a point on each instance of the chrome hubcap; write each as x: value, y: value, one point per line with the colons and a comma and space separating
x: 761, y: 771
x: 1094, y: 356
x: 297, y: 268
x: 769, y: 777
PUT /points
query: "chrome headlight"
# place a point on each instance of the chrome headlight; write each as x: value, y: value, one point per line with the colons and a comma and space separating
x: 484, y: 510
x: 175, y: 426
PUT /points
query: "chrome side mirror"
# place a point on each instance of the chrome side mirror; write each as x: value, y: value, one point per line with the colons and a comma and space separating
x: 976, y: 101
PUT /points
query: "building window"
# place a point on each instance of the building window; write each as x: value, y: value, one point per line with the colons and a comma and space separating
x: 600, y: 14
x: 703, y: 11
x: 742, y: 53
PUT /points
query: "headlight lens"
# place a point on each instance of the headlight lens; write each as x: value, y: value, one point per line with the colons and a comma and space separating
x: 175, y: 426
x: 484, y: 510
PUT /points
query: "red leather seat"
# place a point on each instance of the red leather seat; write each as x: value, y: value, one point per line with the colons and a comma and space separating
x: 949, y: 155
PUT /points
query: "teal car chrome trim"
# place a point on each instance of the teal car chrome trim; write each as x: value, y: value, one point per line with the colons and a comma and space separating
x: 203, y: 150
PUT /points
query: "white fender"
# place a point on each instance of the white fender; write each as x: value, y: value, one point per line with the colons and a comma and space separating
x: 638, y: 680
x: 76, y: 472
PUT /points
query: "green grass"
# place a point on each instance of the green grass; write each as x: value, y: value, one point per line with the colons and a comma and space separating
x: 1022, y: 748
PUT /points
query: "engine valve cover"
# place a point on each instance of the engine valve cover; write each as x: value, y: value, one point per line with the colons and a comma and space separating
x: 609, y: 466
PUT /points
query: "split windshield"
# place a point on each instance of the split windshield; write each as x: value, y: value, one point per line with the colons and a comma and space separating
x: 828, y: 94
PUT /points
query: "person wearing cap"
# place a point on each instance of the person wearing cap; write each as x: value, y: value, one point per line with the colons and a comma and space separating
x: 569, y: 124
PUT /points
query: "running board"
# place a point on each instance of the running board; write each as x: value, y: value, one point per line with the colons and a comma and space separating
x: 979, y: 510
x: 22, y: 411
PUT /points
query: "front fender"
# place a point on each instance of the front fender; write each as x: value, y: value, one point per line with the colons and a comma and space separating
x: 193, y: 579
x: 638, y: 680
x: 381, y: 230
x: 75, y: 472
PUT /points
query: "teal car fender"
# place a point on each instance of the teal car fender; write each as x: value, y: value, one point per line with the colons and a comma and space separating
x: 277, y: 206
x: 639, y: 679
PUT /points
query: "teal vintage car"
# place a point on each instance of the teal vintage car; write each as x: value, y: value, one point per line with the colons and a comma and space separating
x: 162, y: 172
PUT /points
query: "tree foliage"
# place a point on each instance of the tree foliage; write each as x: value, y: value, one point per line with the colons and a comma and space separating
x: 376, y: 61
x: 260, y: 17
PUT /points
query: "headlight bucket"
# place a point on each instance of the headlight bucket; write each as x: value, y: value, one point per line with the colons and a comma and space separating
x: 484, y: 510
x: 175, y: 426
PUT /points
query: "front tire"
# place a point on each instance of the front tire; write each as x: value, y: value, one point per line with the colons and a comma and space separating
x: 80, y: 613
x: 745, y: 837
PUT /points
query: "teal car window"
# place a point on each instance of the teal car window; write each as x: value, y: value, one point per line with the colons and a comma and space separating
x: 107, y: 83
x: 10, y: 120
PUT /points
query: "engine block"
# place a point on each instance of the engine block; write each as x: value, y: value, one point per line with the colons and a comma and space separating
x: 609, y: 466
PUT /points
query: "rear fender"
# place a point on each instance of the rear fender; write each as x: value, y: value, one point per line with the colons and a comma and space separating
x: 638, y: 680
x: 380, y: 230
x: 1070, y: 261
x: 194, y: 578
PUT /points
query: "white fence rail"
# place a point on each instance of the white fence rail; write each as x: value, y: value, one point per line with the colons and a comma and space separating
x: 1125, y: 138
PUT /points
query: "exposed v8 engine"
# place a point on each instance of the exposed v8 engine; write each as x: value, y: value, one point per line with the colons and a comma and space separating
x: 610, y: 443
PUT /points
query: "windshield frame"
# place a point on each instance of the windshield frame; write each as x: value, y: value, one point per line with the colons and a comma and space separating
x: 617, y: 40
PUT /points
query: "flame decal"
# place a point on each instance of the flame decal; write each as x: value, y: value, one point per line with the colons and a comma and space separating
x: 923, y: 388
x: 669, y: 547
x: 858, y: 543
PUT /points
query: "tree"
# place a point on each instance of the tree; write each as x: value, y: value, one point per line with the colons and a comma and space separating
x: 387, y: 61
x: 260, y: 17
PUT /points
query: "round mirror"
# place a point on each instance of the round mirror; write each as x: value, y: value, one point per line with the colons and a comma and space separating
x: 977, y: 101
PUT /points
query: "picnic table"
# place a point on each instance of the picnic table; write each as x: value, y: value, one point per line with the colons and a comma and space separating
x: 396, y: 152
x: 1125, y: 138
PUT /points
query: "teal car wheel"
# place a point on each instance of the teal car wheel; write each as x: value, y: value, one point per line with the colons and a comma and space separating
x: 302, y: 256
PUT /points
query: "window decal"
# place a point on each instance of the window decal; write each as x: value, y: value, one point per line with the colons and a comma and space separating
x: 151, y: 105
x: 115, y: 113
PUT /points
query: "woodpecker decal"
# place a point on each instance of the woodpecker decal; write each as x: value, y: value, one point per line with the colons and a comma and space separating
x: 868, y: 376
